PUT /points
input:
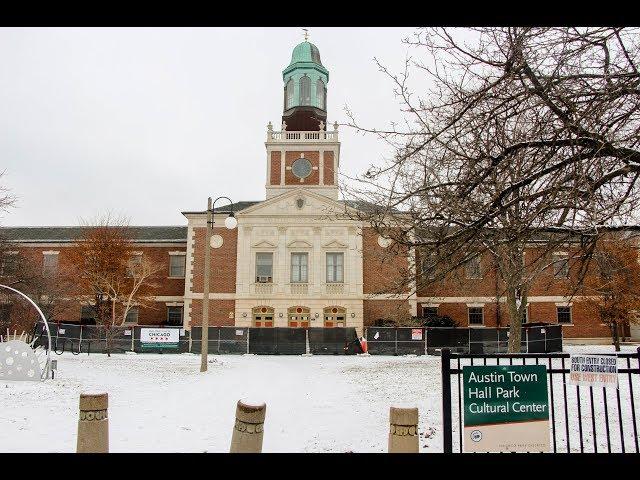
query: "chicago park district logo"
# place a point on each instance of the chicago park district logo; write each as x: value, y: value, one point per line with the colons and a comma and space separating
x: 476, y: 435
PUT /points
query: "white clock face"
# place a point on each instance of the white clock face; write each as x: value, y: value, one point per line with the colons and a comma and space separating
x: 301, y: 168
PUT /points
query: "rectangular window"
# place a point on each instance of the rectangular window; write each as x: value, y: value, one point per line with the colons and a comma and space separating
x: 177, y: 265
x: 5, y: 312
x: 264, y: 267
x: 9, y: 264
x: 335, y: 267
x: 49, y: 264
x: 472, y: 268
x: 428, y: 266
x: 174, y: 316
x: 299, y: 267
x: 476, y: 316
x: 88, y: 314
x: 133, y: 265
x: 429, y: 312
x: 560, y: 265
x: 132, y: 316
x: 564, y: 314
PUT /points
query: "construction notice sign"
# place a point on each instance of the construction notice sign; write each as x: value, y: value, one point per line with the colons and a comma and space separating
x: 594, y: 370
x: 506, y: 408
x: 159, y: 338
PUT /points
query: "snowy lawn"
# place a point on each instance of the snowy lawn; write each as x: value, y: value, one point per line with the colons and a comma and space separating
x: 162, y: 403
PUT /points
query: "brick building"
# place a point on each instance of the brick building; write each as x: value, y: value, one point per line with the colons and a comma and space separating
x: 295, y: 259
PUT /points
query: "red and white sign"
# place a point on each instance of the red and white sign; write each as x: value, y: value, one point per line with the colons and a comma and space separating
x: 416, y: 334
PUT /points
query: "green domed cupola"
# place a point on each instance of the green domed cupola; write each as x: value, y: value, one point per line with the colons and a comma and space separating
x: 305, y: 89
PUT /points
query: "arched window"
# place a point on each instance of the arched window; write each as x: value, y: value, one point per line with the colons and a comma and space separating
x: 305, y: 91
x: 321, y: 94
x: 289, y: 94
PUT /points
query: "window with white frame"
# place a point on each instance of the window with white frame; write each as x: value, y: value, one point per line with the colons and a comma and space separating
x: 335, y: 267
x: 564, y: 314
x: 476, y: 316
x: 88, y: 314
x: 299, y: 267
x: 429, y: 266
x: 177, y: 265
x: 132, y: 316
x: 133, y: 264
x: 175, y: 315
x: 9, y: 264
x: 560, y: 265
x: 472, y: 268
x: 429, y: 312
x: 49, y: 263
x: 264, y: 267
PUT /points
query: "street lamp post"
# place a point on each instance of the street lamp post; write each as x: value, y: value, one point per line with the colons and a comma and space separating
x: 230, y: 222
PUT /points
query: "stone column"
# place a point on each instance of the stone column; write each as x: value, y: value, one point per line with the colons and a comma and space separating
x: 248, y: 429
x: 93, y: 423
x: 403, y: 431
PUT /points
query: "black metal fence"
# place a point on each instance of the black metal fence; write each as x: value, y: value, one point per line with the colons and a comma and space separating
x: 582, y: 419
x: 485, y: 340
x: 296, y: 341
x: 74, y: 338
x: 222, y: 340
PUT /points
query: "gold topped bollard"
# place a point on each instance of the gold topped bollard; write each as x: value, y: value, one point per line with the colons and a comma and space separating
x: 403, y: 430
x: 93, y: 423
x: 248, y: 429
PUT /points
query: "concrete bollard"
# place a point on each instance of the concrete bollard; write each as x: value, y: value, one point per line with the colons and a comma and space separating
x: 403, y: 430
x: 248, y: 429
x: 93, y: 423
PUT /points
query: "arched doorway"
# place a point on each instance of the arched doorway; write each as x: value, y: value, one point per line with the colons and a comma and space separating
x: 298, y: 317
x: 335, y: 317
x: 262, y: 316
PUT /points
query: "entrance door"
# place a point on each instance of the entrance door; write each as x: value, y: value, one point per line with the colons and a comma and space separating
x: 298, y: 317
x: 335, y: 317
x: 263, y: 317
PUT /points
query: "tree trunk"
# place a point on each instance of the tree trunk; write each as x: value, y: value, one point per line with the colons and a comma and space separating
x: 515, y: 323
x: 614, y: 335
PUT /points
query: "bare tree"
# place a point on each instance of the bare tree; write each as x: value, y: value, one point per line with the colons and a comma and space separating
x: 612, y: 291
x: 107, y: 273
x: 527, y: 140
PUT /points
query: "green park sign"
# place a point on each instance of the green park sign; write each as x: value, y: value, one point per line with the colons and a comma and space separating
x: 506, y: 408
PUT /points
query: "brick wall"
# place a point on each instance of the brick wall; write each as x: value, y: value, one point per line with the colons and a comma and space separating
x: 329, y: 172
x: 292, y: 156
x: 381, y: 267
x: 384, y: 309
x: 67, y: 290
x: 275, y: 168
x: 219, y: 311
x: 223, y: 261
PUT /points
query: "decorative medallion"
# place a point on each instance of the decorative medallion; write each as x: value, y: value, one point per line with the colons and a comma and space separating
x: 384, y: 242
x: 216, y: 241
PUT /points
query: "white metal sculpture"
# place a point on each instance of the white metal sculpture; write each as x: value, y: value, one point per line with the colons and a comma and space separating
x: 19, y: 360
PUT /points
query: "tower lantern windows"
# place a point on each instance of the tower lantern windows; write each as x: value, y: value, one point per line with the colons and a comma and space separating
x: 305, y: 90
x: 321, y: 94
x: 289, y: 94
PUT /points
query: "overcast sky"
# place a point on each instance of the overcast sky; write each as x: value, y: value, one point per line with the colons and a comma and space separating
x: 148, y: 122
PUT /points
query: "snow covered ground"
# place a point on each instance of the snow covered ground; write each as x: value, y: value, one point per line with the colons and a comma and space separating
x: 162, y: 403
